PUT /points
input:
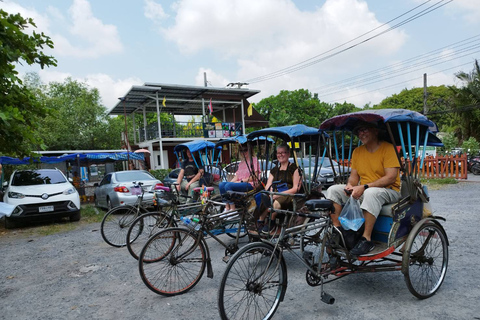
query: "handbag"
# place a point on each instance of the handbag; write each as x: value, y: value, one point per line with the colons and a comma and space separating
x: 351, y: 217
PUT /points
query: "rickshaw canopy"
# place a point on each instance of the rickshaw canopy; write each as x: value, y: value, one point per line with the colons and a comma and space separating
x: 195, y: 145
x: 297, y: 132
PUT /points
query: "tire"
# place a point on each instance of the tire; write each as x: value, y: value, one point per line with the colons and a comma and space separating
x: 253, y: 284
x: 75, y: 217
x: 11, y: 224
x: 311, y: 240
x: 109, y: 204
x: 425, y: 259
x: 143, y: 228
x: 476, y: 169
x: 172, y: 262
x: 115, y: 224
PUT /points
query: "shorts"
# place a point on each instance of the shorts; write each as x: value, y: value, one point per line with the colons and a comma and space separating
x: 372, y: 199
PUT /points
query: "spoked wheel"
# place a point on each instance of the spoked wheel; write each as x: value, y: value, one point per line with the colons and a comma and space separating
x: 115, y: 224
x: 144, y: 227
x: 253, y: 284
x: 311, y: 240
x: 425, y: 259
x: 172, y: 261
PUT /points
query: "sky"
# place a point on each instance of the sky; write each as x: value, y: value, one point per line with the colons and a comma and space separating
x: 358, y: 51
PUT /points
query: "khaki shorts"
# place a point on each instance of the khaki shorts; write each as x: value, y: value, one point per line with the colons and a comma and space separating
x: 372, y: 199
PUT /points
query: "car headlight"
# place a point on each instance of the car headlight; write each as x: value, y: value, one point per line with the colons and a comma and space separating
x: 69, y: 191
x: 16, y: 195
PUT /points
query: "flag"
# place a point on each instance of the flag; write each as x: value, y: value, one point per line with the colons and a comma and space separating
x: 210, y: 107
x: 249, y: 110
x: 164, y: 100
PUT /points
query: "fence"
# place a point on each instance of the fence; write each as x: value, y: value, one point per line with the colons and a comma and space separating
x: 438, y: 167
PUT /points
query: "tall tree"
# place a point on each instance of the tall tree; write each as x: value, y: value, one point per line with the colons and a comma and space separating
x: 293, y: 107
x: 19, y: 107
x: 78, y: 120
x: 468, y: 103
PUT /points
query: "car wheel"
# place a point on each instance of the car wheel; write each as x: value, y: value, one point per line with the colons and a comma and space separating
x: 75, y: 217
x: 95, y: 200
x: 109, y: 204
x: 10, y: 224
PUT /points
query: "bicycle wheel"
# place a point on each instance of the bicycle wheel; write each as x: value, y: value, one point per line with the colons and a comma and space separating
x: 425, y: 260
x: 172, y: 261
x: 253, y: 284
x: 115, y: 225
x: 144, y: 227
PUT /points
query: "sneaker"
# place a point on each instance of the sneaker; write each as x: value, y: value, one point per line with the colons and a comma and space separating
x: 362, y: 247
x: 260, y: 225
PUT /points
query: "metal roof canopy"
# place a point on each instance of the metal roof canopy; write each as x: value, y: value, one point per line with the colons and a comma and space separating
x: 180, y: 99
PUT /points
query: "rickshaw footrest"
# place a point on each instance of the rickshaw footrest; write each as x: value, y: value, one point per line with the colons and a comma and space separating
x: 328, y: 299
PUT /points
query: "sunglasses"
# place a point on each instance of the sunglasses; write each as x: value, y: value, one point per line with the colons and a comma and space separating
x: 281, y: 153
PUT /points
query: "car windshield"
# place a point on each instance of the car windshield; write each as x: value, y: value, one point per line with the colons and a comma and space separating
x: 133, y: 176
x: 31, y: 178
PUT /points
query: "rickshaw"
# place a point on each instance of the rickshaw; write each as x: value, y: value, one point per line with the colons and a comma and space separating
x: 174, y: 259
x: 171, y: 203
x: 409, y: 238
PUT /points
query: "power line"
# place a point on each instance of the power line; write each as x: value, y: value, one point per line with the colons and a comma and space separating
x: 396, y: 84
x: 314, y: 60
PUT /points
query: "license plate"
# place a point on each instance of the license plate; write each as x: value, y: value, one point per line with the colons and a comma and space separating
x: 329, y: 179
x: 45, y: 209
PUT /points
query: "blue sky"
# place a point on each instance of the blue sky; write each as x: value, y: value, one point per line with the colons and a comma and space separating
x: 114, y: 44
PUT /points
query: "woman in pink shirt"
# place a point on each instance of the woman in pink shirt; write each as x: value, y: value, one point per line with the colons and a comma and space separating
x: 244, y: 179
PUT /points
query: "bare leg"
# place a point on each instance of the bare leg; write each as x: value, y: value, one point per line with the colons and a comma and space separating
x: 336, y: 214
x: 369, y: 223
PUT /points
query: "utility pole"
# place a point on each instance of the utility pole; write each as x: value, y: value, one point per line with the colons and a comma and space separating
x: 425, y: 94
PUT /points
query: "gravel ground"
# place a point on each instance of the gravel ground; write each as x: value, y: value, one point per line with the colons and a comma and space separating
x: 75, y: 275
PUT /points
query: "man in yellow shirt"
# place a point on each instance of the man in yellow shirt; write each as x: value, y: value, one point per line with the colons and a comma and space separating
x: 374, y: 180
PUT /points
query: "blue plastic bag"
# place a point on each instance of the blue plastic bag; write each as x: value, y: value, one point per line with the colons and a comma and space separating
x: 351, y: 217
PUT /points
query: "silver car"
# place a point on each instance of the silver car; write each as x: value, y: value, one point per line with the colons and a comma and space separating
x: 119, y: 188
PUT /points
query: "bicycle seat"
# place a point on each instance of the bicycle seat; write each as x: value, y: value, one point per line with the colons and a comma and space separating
x: 319, y: 204
x: 163, y: 188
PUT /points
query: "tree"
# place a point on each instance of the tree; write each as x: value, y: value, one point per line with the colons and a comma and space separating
x: 439, y: 103
x: 293, y: 107
x: 468, y: 102
x: 471, y: 146
x: 19, y: 108
x: 77, y: 119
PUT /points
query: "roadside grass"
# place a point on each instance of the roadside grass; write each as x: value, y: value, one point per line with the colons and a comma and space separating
x: 89, y: 214
x: 436, y: 184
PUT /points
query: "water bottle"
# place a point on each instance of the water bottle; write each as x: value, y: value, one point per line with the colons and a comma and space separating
x: 190, y: 223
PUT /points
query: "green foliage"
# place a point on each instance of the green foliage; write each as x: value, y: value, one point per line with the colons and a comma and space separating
x: 160, y: 174
x: 450, y: 141
x: 78, y: 121
x: 471, y: 146
x: 467, y: 99
x: 440, y: 101
x: 19, y: 107
x: 299, y: 107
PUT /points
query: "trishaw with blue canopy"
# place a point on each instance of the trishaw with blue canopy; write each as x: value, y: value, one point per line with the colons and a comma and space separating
x: 408, y: 237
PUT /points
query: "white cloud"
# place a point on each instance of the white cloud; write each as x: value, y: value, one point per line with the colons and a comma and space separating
x: 110, y: 89
x: 469, y: 8
x: 154, y: 11
x: 84, y: 35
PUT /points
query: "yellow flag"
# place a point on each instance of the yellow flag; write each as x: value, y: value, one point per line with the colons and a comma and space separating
x: 164, y: 100
x: 249, y: 110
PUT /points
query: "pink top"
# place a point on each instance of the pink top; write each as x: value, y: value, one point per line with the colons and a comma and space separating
x: 243, y: 171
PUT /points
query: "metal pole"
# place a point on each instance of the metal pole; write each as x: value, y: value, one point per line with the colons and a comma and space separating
x: 126, y: 131
x: 425, y: 94
x: 243, y: 119
x: 162, y: 164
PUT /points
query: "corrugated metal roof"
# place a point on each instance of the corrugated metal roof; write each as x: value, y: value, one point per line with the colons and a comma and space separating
x: 180, y: 99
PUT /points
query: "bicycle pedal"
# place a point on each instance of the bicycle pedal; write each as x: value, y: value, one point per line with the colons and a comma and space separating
x: 226, y: 259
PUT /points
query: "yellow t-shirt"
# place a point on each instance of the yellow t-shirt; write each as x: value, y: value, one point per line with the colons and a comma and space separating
x: 371, y: 166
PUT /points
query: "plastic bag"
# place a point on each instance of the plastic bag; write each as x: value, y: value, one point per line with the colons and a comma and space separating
x: 351, y: 216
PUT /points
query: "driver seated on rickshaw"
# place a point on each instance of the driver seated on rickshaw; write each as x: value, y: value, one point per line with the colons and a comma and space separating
x: 192, y: 173
x: 288, y: 176
x: 374, y: 180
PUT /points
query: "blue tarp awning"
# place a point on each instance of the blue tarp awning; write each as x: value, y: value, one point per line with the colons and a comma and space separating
x: 97, y: 157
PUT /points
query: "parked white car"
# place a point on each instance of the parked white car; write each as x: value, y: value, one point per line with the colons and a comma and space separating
x: 40, y: 195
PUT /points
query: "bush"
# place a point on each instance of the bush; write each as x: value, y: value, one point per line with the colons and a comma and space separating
x: 160, y: 174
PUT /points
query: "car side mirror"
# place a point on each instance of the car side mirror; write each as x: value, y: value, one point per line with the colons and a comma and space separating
x: 5, y: 184
x: 70, y: 180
